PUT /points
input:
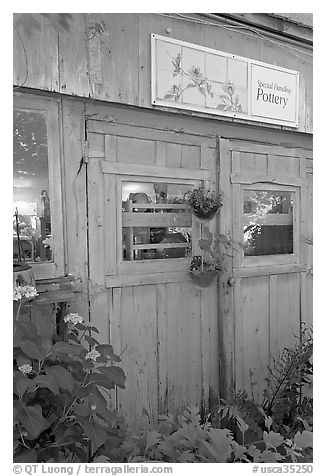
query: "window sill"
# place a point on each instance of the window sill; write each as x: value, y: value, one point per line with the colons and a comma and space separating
x: 61, y: 289
x: 55, y: 296
x: 150, y: 278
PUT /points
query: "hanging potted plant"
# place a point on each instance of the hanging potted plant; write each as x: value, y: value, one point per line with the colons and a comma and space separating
x: 22, y: 272
x: 203, y: 272
x: 204, y: 203
x: 204, y: 268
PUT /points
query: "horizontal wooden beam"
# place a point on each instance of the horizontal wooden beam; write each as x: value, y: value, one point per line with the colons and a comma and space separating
x: 153, y: 266
x: 153, y: 171
x: 55, y: 296
x: 269, y: 219
x: 265, y: 149
x: 161, y: 246
x: 143, y: 279
x: 159, y: 206
x: 268, y: 270
x: 169, y: 120
x: 146, y: 133
x: 156, y: 219
x: 277, y: 180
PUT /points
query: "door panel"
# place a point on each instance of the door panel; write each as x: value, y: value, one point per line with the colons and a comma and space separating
x: 164, y: 328
x: 253, y: 328
x: 264, y: 293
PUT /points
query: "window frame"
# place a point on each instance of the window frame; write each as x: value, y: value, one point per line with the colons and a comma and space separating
x: 50, y: 109
x: 119, y: 272
x: 146, y: 266
x: 286, y: 258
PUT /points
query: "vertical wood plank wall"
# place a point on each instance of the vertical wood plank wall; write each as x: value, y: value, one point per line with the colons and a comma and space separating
x: 309, y: 277
x: 167, y: 332
x: 74, y: 199
x: 115, y: 64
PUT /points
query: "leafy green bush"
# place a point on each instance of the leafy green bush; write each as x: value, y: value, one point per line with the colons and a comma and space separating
x: 60, y: 411
x: 287, y: 407
x: 278, y: 430
x: 185, y: 439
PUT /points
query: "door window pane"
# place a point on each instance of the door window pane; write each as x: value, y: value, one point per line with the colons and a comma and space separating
x: 32, y: 240
x: 156, y: 221
x: 268, y: 222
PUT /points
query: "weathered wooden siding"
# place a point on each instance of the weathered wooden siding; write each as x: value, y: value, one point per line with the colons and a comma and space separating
x: 115, y: 64
x: 166, y: 332
x: 169, y: 332
x: 74, y: 200
x: 168, y: 337
x: 309, y: 277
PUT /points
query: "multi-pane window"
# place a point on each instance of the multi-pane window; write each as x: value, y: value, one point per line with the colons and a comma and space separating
x: 37, y: 200
x: 268, y: 222
x: 32, y: 209
x: 156, y: 222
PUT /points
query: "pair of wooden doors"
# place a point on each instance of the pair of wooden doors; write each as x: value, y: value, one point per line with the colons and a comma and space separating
x: 266, y: 291
x: 178, y: 342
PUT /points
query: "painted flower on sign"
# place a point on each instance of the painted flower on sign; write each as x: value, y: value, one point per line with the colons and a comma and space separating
x: 229, y: 102
x: 177, y: 64
x: 174, y: 93
x: 193, y: 77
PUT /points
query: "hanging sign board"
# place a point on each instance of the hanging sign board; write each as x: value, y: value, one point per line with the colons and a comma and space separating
x: 187, y: 76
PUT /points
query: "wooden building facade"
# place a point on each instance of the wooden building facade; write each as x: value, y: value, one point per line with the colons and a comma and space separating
x: 89, y: 76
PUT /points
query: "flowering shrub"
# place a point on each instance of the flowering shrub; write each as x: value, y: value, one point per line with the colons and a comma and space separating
x: 24, y: 292
x: 74, y: 318
x: 60, y: 410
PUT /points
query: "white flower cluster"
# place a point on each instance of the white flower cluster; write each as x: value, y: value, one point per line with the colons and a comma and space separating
x: 93, y: 354
x: 74, y: 318
x: 25, y: 369
x: 48, y: 242
x: 27, y: 292
x: 75, y: 280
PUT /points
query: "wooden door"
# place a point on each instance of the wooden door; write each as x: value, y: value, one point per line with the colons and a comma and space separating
x: 149, y: 309
x: 265, y: 293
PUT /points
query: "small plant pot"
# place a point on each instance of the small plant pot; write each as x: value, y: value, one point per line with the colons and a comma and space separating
x: 23, y: 275
x: 203, y: 279
x: 205, y: 215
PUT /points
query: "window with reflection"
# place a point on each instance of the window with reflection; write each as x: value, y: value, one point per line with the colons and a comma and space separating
x: 267, y: 222
x: 32, y: 238
x: 156, y: 222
